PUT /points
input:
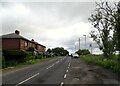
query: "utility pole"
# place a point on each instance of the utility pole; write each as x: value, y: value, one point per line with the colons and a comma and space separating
x: 79, y: 43
x: 91, y: 48
x: 85, y: 41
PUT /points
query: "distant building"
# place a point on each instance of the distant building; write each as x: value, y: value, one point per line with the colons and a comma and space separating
x: 14, y: 41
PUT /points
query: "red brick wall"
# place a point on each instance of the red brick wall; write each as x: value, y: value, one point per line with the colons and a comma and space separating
x: 41, y: 49
x: 24, y: 45
x: 12, y: 44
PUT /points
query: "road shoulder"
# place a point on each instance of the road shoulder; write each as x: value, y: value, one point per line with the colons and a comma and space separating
x: 83, y: 73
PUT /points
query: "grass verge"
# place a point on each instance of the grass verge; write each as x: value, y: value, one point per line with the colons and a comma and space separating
x: 111, y: 63
x: 14, y: 64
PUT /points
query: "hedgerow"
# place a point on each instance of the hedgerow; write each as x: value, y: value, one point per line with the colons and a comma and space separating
x: 112, y: 63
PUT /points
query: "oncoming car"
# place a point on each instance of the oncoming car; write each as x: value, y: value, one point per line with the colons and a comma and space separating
x: 75, y: 55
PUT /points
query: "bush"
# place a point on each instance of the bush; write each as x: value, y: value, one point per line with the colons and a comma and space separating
x: 31, y: 49
x: 112, y: 63
x: 3, y: 63
x: 39, y: 56
x: 14, y: 57
x: 30, y: 62
x: 14, y: 54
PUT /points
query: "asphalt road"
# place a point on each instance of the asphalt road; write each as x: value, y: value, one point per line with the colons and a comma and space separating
x: 49, y: 72
x: 62, y: 71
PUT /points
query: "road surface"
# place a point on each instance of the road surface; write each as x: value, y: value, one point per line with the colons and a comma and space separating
x: 59, y: 72
x: 49, y: 72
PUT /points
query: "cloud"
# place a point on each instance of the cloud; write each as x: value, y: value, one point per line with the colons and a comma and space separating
x: 52, y: 24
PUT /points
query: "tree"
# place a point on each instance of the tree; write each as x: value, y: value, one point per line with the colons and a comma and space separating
x: 103, y: 21
x: 60, y: 51
x: 117, y: 28
x: 83, y: 52
x: 49, y: 50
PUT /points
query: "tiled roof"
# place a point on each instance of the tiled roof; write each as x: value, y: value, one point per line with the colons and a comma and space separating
x: 13, y: 35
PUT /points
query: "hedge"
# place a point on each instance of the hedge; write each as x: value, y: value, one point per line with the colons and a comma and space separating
x: 15, y: 54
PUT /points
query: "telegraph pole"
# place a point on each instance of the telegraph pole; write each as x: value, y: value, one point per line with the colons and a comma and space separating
x: 91, y: 48
x: 79, y: 43
x: 85, y: 41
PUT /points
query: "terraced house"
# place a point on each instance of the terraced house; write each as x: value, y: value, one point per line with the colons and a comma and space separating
x: 14, y: 41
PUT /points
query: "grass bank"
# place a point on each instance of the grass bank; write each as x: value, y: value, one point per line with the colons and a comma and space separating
x: 111, y: 63
x: 13, y: 64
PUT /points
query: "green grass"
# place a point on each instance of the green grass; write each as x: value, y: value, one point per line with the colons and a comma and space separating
x: 111, y: 63
x: 31, y: 60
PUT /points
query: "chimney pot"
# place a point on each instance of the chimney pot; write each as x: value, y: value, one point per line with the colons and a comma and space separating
x: 32, y: 39
x: 17, y: 32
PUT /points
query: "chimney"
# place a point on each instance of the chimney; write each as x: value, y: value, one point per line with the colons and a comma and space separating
x: 17, y: 32
x: 33, y: 40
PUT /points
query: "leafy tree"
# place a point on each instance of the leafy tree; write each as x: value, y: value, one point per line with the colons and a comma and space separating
x: 83, y: 52
x: 117, y: 28
x: 103, y: 22
x: 49, y: 50
x: 59, y: 51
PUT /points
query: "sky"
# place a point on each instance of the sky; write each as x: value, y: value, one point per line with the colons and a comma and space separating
x: 53, y: 24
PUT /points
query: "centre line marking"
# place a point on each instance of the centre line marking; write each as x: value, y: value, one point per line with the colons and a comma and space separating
x: 66, y: 70
x: 65, y: 76
x: 61, y: 84
x: 69, y: 64
x: 27, y: 79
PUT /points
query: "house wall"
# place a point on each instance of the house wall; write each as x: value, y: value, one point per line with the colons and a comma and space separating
x: 21, y: 44
x: 24, y: 44
x: 41, y: 49
x: 12, y: 44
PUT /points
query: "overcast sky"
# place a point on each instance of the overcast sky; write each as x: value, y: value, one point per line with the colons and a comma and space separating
x: 53, y: 24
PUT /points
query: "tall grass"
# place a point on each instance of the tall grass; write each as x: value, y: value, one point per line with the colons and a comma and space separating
x: 111, y: 63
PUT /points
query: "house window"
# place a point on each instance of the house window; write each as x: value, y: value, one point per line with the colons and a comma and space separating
x: 30, y: 44
x: 26, y: 44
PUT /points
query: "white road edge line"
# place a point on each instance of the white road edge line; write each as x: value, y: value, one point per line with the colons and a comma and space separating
x: 65, y: 76
x: 61, y: 84
x: 27, y: 79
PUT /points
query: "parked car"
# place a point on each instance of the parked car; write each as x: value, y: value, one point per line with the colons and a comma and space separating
x: 75, y: 55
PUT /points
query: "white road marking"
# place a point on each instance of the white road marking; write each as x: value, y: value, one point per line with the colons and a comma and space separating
x: 68, y: 67
x: 27, y: 79
x: 61, y: 84
x: 50, y: 66
x: 66, y: 71
x: 65, y: 76
x: 57, y: 62
x: 69, y: 64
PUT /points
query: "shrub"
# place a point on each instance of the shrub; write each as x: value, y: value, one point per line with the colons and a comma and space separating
x: 39, y: 56
x: 3, y: 63
x: 31, y: 49
x: 112, y: 63
x: 28, y: 53
x: 14, y: 54
x: 30, y: 61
